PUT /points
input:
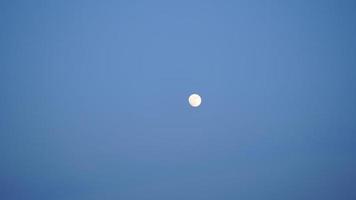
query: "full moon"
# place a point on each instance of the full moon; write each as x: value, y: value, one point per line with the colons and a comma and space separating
x: 194, y: 100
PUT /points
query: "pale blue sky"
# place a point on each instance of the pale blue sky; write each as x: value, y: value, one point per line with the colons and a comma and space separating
x: 93, y: 100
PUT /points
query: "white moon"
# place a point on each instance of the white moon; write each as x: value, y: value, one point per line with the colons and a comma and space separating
x: 194, y: 100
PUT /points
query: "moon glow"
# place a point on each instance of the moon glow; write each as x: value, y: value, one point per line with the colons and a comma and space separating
x: 194, y: 100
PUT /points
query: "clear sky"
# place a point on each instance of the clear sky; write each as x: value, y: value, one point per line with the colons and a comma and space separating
x: 94, y: 100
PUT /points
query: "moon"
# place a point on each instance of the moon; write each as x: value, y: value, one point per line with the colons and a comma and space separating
x: 194, y: 100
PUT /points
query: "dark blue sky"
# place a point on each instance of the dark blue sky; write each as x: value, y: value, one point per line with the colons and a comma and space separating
x: 93, y: 100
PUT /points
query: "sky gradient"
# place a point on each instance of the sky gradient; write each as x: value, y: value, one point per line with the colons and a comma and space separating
x: 94, y: 100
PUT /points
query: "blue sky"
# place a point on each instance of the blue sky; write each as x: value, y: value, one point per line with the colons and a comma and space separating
x: 93, y: 100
